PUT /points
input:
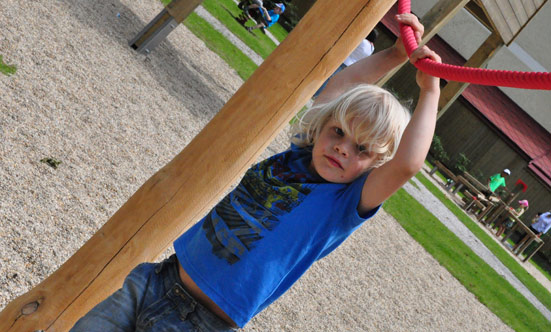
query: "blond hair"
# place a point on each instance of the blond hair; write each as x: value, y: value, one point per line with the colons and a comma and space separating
x: 372, y: 115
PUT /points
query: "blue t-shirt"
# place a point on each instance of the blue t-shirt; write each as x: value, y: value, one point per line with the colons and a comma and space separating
x: 267, y: 232
x: 273, y: 16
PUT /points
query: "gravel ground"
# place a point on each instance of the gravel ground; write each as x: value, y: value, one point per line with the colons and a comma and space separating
x: 113, y: 117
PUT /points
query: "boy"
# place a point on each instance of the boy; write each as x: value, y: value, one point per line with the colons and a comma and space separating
x: 350, y: 152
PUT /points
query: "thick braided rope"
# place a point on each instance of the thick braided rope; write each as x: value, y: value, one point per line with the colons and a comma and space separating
x: 513, y: 79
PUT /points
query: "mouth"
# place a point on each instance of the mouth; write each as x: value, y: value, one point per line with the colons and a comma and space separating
x: 334, y: 162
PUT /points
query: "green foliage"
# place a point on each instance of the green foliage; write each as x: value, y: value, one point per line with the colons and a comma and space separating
x: 53, y: 163
x: 437, y: 150
x: 477, y: 174
x: 461, y: 163
x: 291, y: 14
x: 6, y: 69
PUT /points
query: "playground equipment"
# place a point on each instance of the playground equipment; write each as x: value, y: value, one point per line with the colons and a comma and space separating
x: 514, y: 79
x: 179, y: 194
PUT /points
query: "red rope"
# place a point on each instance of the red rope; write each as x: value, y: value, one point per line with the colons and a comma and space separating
x: 513, y: 79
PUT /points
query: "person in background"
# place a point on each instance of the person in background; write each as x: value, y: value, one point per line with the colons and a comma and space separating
x: 540, y: 225
x: 265, y: 18
x: 497, y: 180
x: 365, y: 49
x: 507, y: 223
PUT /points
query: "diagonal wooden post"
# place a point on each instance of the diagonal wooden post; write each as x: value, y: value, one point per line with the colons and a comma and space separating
x: 479, y: 59
x: 179, y: 194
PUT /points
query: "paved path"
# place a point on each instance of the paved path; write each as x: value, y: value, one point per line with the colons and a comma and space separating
x: 257, y: 59
x: 440, y: 211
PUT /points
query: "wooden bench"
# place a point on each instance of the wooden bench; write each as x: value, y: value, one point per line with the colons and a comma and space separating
x: 438, y: 166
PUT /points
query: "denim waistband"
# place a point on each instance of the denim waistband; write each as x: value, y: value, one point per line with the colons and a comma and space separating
x: 170, y: 268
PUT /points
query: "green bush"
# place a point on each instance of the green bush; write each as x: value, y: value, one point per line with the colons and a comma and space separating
x: 477, y: 174
x: 461, y: 163
x: 437, y: 150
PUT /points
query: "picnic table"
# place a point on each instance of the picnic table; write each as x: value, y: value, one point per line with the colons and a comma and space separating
x: 481, y: 187
x: 452, y: 178
x: 479, y: 200
x: 523, y: 244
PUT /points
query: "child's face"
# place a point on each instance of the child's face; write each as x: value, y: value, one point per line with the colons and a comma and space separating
x: 337, y: 157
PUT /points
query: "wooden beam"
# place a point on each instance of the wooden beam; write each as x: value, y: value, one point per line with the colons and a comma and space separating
x: 520, y: 11
x: 181, y: 192
x: 500, y: 22
x: 180, y: 9
x: 161, y: 26
x: 539, y: 5
x: 475, y: 8
x: 479, y: 59
x: 433, y: 20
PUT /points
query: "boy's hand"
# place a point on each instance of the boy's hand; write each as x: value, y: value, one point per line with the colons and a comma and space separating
x: 418, y: 30
x: 425, y: 81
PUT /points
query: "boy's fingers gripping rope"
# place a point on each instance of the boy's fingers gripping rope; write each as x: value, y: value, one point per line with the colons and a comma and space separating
x: 513, y: 79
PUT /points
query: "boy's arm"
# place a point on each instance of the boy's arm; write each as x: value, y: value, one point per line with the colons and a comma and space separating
x: 414, y: 145
x: 370, y: 69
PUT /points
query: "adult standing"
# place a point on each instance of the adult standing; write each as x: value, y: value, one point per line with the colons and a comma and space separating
x: 497, y: 180
x: 540, y: 225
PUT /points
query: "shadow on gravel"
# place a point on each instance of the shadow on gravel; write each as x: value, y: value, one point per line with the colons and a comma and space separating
x: 180, y: 75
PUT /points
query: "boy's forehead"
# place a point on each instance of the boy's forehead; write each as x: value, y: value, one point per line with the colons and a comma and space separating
x: 351, y: 125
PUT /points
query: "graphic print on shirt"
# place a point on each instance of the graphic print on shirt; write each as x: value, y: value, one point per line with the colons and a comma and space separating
x: 266, y: 192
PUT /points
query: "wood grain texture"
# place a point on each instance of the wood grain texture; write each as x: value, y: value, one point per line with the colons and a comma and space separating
x: 180, y: 9
x: 178, y: 194
x: 492, y: 8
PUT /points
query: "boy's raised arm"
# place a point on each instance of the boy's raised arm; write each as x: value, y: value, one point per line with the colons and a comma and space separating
x: 414, y: 145
x: 371, y: 68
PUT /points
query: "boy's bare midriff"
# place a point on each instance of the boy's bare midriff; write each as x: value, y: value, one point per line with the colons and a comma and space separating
x: 202, y: 298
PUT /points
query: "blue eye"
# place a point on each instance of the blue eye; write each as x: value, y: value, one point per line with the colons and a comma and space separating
x: 339, y: 131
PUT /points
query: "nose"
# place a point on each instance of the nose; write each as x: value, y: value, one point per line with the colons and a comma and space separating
x: 341, y: 149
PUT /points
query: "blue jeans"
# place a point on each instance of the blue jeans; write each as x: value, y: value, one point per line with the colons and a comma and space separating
x: 152, y: 298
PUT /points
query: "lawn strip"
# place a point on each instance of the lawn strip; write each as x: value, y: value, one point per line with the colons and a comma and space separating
x: 540, y: 292
x: 257, y: 41
x: 221, y: 46
x: 479, y: 278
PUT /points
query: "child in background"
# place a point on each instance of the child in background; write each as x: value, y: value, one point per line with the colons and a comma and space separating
x: 509, y: 222
x: 350, y: 152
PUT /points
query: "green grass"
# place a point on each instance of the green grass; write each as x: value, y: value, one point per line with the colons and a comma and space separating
x: 477, y: 276
x: 544, y: 272
x: 540, y: 292
x: 224, y: 10
x: 221, y: 46
x: 6, y: 69
x: 257, y: 41
x: 278, y: 32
